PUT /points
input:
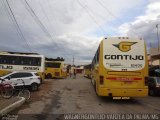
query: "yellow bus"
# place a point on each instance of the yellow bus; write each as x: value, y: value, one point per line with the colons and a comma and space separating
x: 16, y: 61
x: 55, y: 68
x: 119, y: 68
x: 87, y: 71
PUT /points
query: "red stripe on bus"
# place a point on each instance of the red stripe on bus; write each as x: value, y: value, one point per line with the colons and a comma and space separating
x: 111, y: 78
x: 118, y: 78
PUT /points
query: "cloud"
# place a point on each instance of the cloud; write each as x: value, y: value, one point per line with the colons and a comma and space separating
x: 74, y: 29
x: 145, y: 24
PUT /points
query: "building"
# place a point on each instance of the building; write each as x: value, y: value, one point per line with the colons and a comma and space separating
x: 154, y: 56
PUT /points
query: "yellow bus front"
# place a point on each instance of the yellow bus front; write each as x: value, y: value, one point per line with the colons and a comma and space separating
x: 55, y: 69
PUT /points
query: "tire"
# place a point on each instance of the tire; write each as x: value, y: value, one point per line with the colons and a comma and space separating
x: 34, y: 86
x: 25, y: 93
x: 95, y: 87
x: 91, y: 79
x: 151, y: 92
x: 45, y: 76
x: 87, y: 76
x: 49, y: 76
x: 41, y: 81
x: 7, y: 91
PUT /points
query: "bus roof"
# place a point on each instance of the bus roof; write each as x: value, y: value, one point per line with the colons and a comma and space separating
x: 17, y: 54
x: 132, y: 38
x: 22, y: 53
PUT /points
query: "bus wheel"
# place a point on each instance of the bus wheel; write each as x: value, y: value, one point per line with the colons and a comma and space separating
x: 34, y: 86
x: 45, y: 76
x: 92, y: 80
x: 49, y: 76
x: 94, y: 84
x: 95, y: 88
x: 151, y: 92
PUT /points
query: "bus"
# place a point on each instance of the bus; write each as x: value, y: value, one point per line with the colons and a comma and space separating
x: 87, y: 71
x: 55, y: 68
x: 16, y: 61
x: 120, y: 68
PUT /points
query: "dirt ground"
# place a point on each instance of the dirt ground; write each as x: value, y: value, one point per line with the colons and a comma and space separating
x: 62, y: 96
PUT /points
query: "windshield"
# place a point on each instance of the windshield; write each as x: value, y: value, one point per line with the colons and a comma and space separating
x: 53, y: 65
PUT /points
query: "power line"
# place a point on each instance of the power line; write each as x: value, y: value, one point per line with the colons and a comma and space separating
x: 51, y: 12
x: 114, y: 15
x: 37, y: 20
x: 94, y: 20
x: 45, y: 13
x: 107, y: 10
x: 7, y: 11
x: 12, y: 22
x: 12, y: 18
x: 18, y: 27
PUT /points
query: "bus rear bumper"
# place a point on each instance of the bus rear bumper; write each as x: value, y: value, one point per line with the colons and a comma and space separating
x: 123, y: 92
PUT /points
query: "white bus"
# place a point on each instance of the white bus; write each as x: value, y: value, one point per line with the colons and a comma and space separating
x: 14, y: 61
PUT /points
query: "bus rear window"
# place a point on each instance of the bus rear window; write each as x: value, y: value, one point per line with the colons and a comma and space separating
x: 53, y: 65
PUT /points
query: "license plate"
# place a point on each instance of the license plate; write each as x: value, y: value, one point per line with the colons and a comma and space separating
x: 128, y: 82
x: 118, y: 98
x: 126, y: 98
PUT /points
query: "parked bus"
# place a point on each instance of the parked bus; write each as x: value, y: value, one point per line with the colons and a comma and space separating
x: 119, y: 68
x: 16, y: 61
x: 55, y: 68
x: 87, y: 71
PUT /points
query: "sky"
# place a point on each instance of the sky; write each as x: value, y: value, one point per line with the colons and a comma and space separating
x: 67, y: 28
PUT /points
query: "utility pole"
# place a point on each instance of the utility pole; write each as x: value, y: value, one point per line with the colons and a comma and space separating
x: 150, y: 45
x: 158, y: 42
x: 73, y: 59
x: 150, y: 54
x: 157, y: 36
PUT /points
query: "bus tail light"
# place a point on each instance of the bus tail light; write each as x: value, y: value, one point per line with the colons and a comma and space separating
x: 101, y: 80
x: 146, y: 81
x: 123, y: 78
x: 56, y: 73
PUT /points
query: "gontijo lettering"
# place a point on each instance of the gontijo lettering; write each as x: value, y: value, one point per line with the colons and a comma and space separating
x: 6, y: 67
x: 124, y: 57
